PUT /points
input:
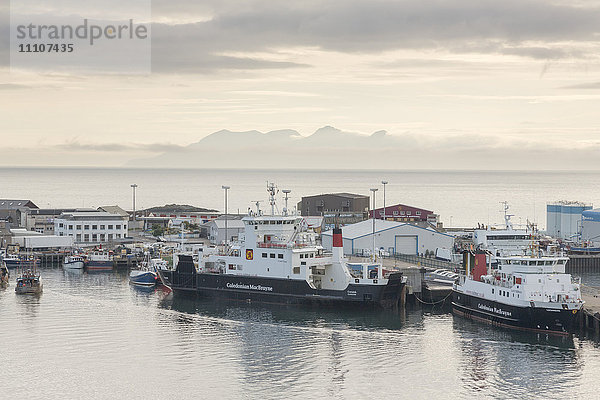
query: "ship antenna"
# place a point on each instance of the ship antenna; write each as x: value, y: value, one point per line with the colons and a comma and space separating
x: 272, y: 190
x: 287, y: 192
x: 257, y: 202
x: 507, y: 216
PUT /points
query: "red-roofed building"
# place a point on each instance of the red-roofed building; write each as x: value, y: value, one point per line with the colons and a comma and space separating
x: 404, y: 213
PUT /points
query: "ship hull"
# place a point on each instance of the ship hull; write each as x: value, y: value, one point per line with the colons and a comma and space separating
x: 99, y: 266
x: 536, y: 319
x: 283, y: 291
x: 21, y: 264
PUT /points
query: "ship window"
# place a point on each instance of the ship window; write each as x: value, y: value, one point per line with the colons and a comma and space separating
x: 296, y: 270
x: 264, y: 255
x: 312, y: 255
x: 279, y: 255
x: 272, y: 255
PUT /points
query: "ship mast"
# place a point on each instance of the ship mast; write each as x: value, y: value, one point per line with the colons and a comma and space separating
x: 272, y: 190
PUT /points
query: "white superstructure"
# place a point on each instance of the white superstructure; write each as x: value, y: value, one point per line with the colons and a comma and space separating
x: 503, y: 242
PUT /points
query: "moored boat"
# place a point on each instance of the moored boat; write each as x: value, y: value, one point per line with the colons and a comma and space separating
x: 73, y: 262
x: 99, y: 261
x: 520, y: 292
x: 275, y: 260
x: 29, y: 282
x: 15, y: 261
x: 4, y: 275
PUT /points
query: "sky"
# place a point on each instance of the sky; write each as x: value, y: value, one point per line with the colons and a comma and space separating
x: 519, y: 80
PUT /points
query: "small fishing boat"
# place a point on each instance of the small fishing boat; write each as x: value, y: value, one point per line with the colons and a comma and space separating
x: 4, y: 275
x: 14, y: 261
x: 100, y: 261
x: 29, y: 282
x: 147, y: 275
x: 73, y: 262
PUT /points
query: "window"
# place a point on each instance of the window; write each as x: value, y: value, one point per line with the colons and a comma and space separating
x: 110, y: 227
x: 118, y: 226
x: 86, y: 237
x: 272, y: 255
x: 296, y: 270
x: 395, y: 212
x: 301, y: 255
x: 279, y: 255
x: 118, y: 235
x: 312, y: 255
x: 79, y: 227
x: 94, y: 226
x: 70, y: 227
x: 401, y: 212
x: 408, y: 213
x: 102, y: 237
x: 78, y: 237
x: 102, y: 227
x: 86, y: 227
x: 94, y: 237
x: 110, y: 236
x: 418, y: 212
x: 264, y: 255
x: 303, y: 263
x: 60, y: 225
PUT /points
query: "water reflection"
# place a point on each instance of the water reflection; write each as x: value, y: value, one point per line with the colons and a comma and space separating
x: 495, y: 360
x: 287, y: 314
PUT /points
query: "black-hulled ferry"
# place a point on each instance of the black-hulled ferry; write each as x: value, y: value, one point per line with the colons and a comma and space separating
x: 525, y: 293
x: 276, y: 260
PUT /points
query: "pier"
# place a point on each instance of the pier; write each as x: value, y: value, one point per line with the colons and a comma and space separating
x: 589, y: 316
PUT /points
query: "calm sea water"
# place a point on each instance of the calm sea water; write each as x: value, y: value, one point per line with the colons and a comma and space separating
x: 462, y: 198
x: 93, y: 336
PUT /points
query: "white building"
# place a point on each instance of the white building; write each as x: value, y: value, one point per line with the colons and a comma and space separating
x: 563, y: 219
x: 216, y: 229
x: 91, y: 227
x: 590, y: 227
x: 394, y: 237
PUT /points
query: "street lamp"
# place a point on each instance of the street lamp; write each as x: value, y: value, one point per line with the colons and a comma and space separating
x: 384, y: 213
x: 374, y: 190
x: 134, y: 186
x: 226, y: 188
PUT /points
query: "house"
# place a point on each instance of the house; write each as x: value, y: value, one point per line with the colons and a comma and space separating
x: 15, y: 212
x: 216, y: 228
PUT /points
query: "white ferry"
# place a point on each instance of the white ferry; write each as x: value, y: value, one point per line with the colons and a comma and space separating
x: 507, y: 241
x: 276, y: 261
x: 525, y: 293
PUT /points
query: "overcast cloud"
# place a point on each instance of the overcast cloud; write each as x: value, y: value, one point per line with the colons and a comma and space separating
x: 441, y: 77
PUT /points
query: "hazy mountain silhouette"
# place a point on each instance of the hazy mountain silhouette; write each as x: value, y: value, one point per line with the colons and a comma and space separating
x: 328, y: 147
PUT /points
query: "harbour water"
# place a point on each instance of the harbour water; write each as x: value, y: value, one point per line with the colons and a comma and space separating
x: 461, y: 198
x: 92, y: 335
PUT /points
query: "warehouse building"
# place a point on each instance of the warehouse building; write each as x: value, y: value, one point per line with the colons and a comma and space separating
x: 323, y: 204
x: 393, y: 237
x: 590, y: 227
x: 563, y: 219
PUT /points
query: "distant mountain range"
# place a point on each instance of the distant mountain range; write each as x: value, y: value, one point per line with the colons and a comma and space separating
x: 331, y: 148
x: 327, y: 147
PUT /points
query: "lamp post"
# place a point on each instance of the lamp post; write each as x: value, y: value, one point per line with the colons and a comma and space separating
x: 133, y: 187
x: 374, y: 190
x: 226, y: 188
x: 384, y: 213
